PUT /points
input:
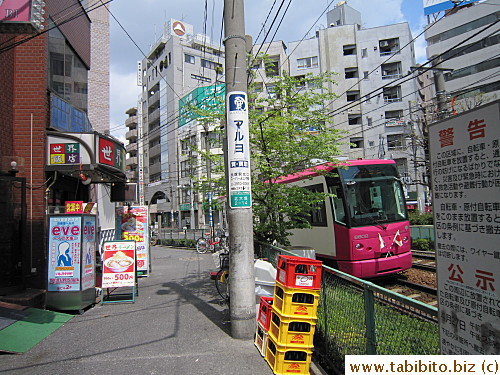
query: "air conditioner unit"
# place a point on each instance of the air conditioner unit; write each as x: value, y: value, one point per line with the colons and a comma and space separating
x: 384, y: 43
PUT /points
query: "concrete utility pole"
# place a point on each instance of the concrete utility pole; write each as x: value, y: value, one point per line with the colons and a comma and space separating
x: 237, y: 161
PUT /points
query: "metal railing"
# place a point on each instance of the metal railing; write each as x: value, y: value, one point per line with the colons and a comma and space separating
x: 356, y: 316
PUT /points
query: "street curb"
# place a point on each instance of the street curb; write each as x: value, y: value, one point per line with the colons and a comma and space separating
x: 315, y: 369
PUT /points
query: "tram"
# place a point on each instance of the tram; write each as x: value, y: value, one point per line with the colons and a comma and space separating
x: 362, y: 228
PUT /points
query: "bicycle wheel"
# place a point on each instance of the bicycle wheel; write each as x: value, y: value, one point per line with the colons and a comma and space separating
x: 201, y: 246
x: 222, y: 284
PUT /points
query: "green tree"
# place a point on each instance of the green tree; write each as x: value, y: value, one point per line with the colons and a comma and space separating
x: 288, y: 133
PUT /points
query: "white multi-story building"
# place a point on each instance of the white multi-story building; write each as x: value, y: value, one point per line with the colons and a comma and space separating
x: 178, y: 63
x: 375, y: 102
x: 467, y: 57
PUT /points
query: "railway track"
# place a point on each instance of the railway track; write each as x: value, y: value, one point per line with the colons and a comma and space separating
x: 424, y: 260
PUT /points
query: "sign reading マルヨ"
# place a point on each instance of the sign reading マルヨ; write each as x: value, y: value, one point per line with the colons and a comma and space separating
x: 238, y: 150
x: 465, y: 167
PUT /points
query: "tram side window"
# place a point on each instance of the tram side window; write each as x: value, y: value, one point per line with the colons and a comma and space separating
x: 338, y: 204
x: 317, y: 216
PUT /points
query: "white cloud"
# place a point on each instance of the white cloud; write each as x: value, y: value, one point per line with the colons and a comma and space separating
x: 124, y: 94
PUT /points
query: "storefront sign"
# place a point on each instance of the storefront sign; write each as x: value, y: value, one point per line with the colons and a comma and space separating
x: 118, y: 268
x: 65, y: 237
x: 435, y: 6
x: 15, y: 10
x: 465, y: 167
x: 110, y: 153
x: 238, y: 150
x: 74, y: 207
x: 133, y: 225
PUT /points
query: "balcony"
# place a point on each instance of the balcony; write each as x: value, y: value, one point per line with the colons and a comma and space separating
x: 154, y: 98
x: 154, y: 116
x: 131, y: 147
x: 131, y: 161
x: 131, y: 122
x: 131, y: 135
x: 154, y: 151
x: 154, y: 169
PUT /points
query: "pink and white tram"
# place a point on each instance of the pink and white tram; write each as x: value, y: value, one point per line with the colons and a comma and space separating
x: 363, y: 230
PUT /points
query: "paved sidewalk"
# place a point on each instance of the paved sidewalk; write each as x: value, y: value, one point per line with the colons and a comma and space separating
x: 175, y: 326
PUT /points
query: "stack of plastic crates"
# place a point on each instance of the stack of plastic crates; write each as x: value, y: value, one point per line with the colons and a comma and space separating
x: 293, y: 315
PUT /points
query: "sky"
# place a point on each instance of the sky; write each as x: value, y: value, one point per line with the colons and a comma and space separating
x: 144, y: 20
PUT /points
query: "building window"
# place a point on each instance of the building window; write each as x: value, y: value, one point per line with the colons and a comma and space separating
x: 349, y: 49
x: 402, y: 166
x: 369, y: 120
x: 395, y: 141
x: 364, y: 52
x: 356, y: 142
x: 307, y: 62
x: 272, y: 67
x: 211, y: 65
x: 201, y: 78
x: 389, y: 46
x: 394, y: 118
x: 189, y: 58
x: 365, y: 74
x: 352, y: 95
x: 391, y: 70
x: 481, y: 67
x: 354, y: 119
x: 392, y: 94
x: 351, y: 73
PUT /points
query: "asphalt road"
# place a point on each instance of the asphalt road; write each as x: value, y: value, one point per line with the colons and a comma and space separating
x: 175, y: 326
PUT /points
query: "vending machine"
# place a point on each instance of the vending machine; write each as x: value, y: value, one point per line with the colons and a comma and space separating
x: 71, y: 264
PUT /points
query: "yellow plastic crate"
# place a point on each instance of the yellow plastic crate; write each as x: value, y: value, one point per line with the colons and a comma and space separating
x: 260, y: 339
x: 292, y: 332
x: 295, y: 302
x: 285, y: 360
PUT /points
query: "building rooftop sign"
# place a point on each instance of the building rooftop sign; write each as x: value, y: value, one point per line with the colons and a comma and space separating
x: 435, y: 6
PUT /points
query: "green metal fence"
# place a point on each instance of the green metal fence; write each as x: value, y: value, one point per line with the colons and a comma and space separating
x: 356, y: 316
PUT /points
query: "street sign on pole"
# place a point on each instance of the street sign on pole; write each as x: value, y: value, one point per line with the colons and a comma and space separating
x: 238, y: 150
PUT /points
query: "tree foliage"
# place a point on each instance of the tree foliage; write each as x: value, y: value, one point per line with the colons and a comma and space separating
x: 288, y: 133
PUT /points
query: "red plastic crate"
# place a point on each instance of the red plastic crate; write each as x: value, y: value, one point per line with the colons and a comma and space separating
x: 264, y: 315
x: 298, y: 272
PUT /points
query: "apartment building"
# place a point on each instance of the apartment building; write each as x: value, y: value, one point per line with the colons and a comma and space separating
x: 467, y: 57
x: 178, y: 63
x: 375, y: 103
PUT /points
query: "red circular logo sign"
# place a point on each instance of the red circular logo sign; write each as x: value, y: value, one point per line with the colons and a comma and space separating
x: 178, y: 28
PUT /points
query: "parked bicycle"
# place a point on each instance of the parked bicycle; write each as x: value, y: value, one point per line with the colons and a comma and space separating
x: 219, y: 243
x: 154, y: 239
x: 222, y: 277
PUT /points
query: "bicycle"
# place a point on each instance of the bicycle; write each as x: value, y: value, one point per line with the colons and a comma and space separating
x: 153, y: 239
x: 205, y: 244
x: 222, y: 277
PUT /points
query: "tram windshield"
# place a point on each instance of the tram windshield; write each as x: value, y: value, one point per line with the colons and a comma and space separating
x: 374, y: 195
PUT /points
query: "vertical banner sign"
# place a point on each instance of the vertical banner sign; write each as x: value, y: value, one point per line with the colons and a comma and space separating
x: 238, y: 150
x: 88, y: 251
x: 465, y: 170
x: 118, y: 264
x: 64, y: 253
x: 133, y: 225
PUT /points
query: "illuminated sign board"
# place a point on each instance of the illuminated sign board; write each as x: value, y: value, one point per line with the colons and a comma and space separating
x: 435, y: 6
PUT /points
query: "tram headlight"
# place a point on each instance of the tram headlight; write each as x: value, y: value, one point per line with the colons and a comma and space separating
x: 405, y: 239
x: 359, y: 246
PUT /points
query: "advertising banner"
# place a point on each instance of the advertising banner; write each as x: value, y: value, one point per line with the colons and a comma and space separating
x: 132, y: 224
x: 88, y: 251
x: 118, y: 262
x: 238, y: 150
x: 65, y: 238
x: 465, y: 170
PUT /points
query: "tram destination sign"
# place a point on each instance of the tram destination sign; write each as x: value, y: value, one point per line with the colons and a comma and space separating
x: 465, y: 171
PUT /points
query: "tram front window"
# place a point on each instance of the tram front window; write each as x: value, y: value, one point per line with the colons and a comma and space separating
x: 374, y: 195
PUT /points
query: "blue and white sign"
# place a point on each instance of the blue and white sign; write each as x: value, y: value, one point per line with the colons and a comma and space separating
x: 238, y: 145
x: 435, y: 6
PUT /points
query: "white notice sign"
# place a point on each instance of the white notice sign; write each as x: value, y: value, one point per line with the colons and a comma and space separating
x: 465, y: 168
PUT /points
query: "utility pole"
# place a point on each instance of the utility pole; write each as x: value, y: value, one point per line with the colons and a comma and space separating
x: 237, y: 161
